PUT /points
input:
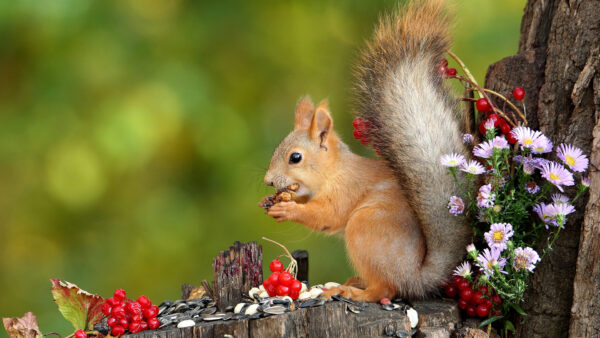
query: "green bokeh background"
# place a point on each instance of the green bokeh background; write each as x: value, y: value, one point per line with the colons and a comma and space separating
x: 134, y: 134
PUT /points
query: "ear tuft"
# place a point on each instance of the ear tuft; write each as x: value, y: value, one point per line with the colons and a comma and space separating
x: 304, y: 113
x: 321, y: 124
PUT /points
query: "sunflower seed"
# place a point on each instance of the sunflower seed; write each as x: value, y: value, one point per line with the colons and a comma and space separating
x: 275, y: 310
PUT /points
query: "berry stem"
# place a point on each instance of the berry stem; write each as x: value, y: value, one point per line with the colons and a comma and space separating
x: 509, y: 103
x: 482, y: 92
x: 293, y: 267
x: 465, y: 69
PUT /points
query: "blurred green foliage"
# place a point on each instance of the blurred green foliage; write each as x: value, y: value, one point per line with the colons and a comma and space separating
x: 134, y: 134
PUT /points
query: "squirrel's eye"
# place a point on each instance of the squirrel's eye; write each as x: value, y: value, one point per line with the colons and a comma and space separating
x: 295, y: 158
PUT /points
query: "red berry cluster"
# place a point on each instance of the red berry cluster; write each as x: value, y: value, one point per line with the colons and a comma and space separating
x: 125, y: 314
x: 361, y: 130
x: 443, y: 69
x: 80, y: 334
x: 475, y: 301
x: 484, y: 106
x: 281, y: 283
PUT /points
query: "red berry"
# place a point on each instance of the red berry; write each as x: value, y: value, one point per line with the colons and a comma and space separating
x: 294, y: 294
x: 144, y: 324
x: 118, y: 311
x: 385, y: 301
x: 80, y: 334
x: 477, y: 298
x: 451, y: 71
x: 270, y: 288
x: 511, y: 138
x: 106, y: 309
x: 137, y: 318
x: 483, y: 310
x: 358, y: 122
x: 112, y: 301
x: 471, y: 312
x: 441, y: 69
x: 120, y: 294
x: 497, y: 313
x: 296, y: 285
x: 111, y: 321
x: 117, y: 331
x: 466, y: 294
x: 153, y: 323
x: 462, y: 303
x: 487, y: 302
x: 274, y: 278
x: 444, y: 62
x: 283, y: 290
x: 518, y: 93
x: 483, y: 105
x: 451, y: 291
x: 456, y: 280
x: 463, y: 285
x: 504, y: 126
x: 358, y: 134
x: 276, y: 265
x: 365, y: 141
x: 151, y: 312
x: 123, y: 322
x: 135, y: 327
x: 496, y: 300
x: 144, y: 302
x: 134, y: 308
x: 286, y: 279
x: 483, y: 289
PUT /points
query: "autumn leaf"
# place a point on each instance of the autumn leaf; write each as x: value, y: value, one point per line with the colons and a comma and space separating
x: 79, y: 307
x: 25, y: 327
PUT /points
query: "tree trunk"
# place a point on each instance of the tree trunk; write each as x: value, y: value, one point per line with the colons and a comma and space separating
x: 557, y: 64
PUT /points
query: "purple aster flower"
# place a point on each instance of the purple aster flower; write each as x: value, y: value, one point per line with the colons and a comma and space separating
x: 528, y: 165
x: 456, y: 205
x: 560, y: 199
x: 573, y: 157
x: 525, y: 258
x: 557, y: 174
x: 485, y: 198
x: 585, y: 181
x: 452, y: 160
x: 472, y: 167
x: 545, y: 213
x: 486, y: 149
x: 467, y: 138
x: 526, y: 136
x: 541, y: 145
x: 488, y: 260
x: 559, y: 212
x: 517, y: 158
x: 498, y: 235
x: 463, y: 270
x: 532, y: 188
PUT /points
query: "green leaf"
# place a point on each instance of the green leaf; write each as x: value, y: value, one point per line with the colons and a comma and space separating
x: 518, y: 309
x: 79, y: 307
x: 509, y: 326
x: 24, y: 327
x: 489, y: 321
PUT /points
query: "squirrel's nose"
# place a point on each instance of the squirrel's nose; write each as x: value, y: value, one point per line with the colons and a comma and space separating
x: 268, y: 180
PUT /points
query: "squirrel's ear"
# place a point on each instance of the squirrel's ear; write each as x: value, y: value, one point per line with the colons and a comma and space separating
x: 304, y: 113
x: 321, y: 124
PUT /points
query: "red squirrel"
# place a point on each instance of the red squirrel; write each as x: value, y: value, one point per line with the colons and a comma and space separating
x: 392, y: 211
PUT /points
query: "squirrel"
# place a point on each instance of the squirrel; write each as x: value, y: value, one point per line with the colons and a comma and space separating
x: 392, y: 211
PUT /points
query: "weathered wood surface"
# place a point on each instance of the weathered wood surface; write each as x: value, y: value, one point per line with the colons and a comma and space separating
x: 329, y: 320
x: 556, y: 66
x: 236, y: 271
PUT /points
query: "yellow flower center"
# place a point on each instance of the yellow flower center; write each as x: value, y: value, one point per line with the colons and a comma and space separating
x: 498, y: 235
x: 527, y: 141
x: 554, y: 177
x: 521, y: 262
x: 570, y: 160
x: 490, y: 264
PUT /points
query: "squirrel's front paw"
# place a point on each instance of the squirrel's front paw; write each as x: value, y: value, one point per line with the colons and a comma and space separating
x: 284, y: 211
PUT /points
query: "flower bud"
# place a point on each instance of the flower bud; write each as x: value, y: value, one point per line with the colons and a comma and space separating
x: 497, y: 208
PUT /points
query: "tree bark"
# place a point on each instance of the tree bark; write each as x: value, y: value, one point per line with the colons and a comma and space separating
x: 557, y: 64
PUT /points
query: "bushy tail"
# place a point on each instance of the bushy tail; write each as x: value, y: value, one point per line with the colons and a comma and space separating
x: 400, y: 92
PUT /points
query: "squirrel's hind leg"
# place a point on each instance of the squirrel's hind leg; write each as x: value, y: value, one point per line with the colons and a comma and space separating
x: 356, y: 282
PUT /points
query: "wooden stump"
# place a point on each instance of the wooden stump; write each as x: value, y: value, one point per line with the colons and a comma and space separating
x: 236, y: 271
